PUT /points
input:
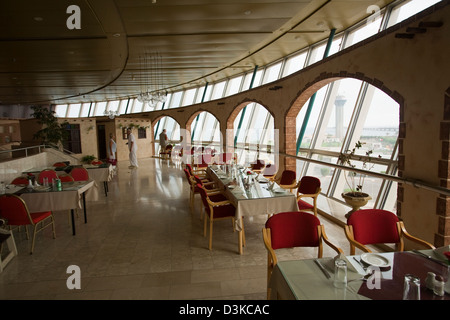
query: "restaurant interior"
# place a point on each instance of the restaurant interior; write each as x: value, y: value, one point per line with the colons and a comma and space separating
x: 217, y: 150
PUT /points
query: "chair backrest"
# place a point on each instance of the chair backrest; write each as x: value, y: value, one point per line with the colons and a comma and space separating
x: 288, y: 177
x: 189, y: 168
x: 66, y: 178
x: 372, y: 226
x: 293, y: 229
x: 269, y: 170
x: 47, y: 173
x: 309, y: 185
x: 14, y: 209
x: 204, y: 196
x: 257, y: 165
x: 79, y: 174
x: 20, y: 180
x: 59, y: 164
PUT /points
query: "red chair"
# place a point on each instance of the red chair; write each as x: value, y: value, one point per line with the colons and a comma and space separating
x: 375, y: 226
x: 79, y: 174
x: 258, y: 165
x: 308, y: 187
x: 291, y: 230
x: 59, y: 164
x: 47, y: 173
x: 215, y: 211
x: 65, y: 178
x: 15, y: 211
x: 20, y: 180
x: 287, y: 180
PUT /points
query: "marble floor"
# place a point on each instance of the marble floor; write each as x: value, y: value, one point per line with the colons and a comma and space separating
x: 142, y: 242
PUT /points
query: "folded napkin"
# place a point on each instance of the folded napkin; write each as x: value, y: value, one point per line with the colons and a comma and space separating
x: 443, y: 253
x: 237, y: 190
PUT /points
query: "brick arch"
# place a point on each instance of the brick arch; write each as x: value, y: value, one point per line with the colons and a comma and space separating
x: 290, y: 143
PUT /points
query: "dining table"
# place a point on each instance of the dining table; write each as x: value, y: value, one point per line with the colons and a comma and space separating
x: 102, y: 174
x: 39, y: 198
x: 251, y: 194
x: 370, y: 276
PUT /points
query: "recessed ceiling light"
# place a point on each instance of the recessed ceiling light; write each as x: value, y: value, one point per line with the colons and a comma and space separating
x: 248, y: 12
x: 116, y: 35
x: 38, y: 19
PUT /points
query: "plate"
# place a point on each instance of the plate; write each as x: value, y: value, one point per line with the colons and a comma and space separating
x: 231, y: 187
x: 375, y: 260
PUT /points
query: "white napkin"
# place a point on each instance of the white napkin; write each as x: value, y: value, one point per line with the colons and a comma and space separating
x: 237, y: 190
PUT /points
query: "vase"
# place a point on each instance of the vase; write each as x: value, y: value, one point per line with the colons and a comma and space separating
x: 356, y: 200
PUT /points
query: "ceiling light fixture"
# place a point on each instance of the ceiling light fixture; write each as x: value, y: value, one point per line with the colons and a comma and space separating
x: 111, y: 114
x: 151, y: 86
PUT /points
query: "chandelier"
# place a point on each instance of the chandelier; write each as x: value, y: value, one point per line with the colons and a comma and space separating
x: 111, y: 114
x: 152, y: 84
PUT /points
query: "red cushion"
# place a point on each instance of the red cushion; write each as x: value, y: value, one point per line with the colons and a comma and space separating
x: 287, y: 177
x: 374, y: 226
x: 309, y: 185
x: 293, y: 229
x: 303, y: 205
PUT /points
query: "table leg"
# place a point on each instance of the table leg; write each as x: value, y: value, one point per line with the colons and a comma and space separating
x: 72, y: 213
x: 84, y: 207
x: 105, y: 186
x: 240, y: 242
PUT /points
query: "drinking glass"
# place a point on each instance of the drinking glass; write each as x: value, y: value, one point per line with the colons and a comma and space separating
x: 411, y: 287
x: 340, y: 273
x: 45, y: 182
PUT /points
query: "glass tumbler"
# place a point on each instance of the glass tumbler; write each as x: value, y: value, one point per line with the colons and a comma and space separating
x: 340, y: 273
x: 411, y: 287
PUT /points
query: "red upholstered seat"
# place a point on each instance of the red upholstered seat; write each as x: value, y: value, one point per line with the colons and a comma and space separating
x: 376, y: 226
x: 287, y: 177
x: 47, y: 173
x: 215, y: 210
x: 79, y: 174
x: 20, y: 180
x: 15, y: 211
x: 291, y: 230
x: 308, y: 187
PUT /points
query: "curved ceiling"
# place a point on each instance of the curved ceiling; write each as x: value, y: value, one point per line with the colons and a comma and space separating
x: 44, y: 60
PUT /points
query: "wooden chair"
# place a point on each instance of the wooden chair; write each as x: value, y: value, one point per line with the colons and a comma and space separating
x: 167, y: 152
x: 287, y: 180
x: 215, y: 211
x: 376, y: 226
x: 291, y: 230
x: 270, y: 171
x: 15, y: 211
x: 308, y: 187
x: 258, y: 166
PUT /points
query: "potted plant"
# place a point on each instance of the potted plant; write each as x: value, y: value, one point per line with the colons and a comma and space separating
x: 88, y: 159
x: 355, y: 197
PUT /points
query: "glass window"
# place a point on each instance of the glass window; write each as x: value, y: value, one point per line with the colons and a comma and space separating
x: 272, y: 73
x: 188, y: 97
x: 368, y: 29
x: 100, y: 108
x: 294, y: 63
x: 85, y: 107
x: 317, y: 53
x: 196, y: 126
x: 218, y: 90
x: 313, y: 118
x: 137, y: 106
x: 338, y: 113
x: 233, y: 85
x: 175, y: 102
x: 407, y: 9
x: 73, y: 110
x: 124, y: 104
x: 199, y: 97
x: 60, y: 110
